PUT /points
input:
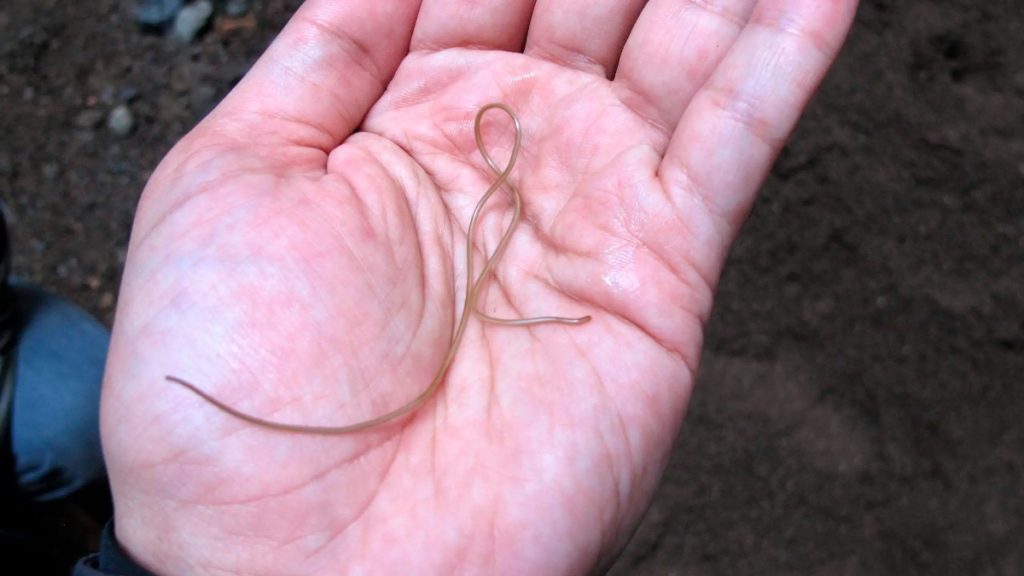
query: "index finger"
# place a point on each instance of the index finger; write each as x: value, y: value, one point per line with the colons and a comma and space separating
x: 738, y: 121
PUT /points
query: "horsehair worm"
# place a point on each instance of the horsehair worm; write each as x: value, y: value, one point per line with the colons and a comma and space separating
x: 470, y: 304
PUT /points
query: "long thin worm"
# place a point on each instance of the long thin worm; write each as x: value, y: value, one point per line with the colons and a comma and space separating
x: 470, y: 305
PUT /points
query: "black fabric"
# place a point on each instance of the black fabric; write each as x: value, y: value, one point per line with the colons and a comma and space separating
x: 8, y: 475
x: 8, y: 323
x: 111, y: 560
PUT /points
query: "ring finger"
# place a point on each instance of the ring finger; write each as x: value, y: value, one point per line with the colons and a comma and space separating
x: 672, y: 51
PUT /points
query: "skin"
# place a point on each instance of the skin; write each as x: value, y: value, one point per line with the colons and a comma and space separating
x: 300, y: 253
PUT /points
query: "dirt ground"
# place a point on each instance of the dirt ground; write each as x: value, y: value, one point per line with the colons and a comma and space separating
x: 860, y: 404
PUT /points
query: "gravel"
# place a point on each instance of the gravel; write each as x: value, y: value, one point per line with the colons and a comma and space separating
x: 156, y: 12
x: 89, y: 118
x: 121, y: 121
x: 236, y: 8
x: 192, y: 19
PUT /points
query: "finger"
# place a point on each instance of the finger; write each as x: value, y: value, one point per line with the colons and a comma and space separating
x: 672, y: 50
x: 487, y: 24
x: 583, y: 34
x: 323, y: 72
x: 738, y: 122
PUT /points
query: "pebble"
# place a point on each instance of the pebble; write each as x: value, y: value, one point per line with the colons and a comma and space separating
x: 107, y: 300
x: 191, y: 19
x: 121, y: 120
x: 236, y: 8
x: 50, y: 171
x: 182, y: 78
x: 108, y: 95
x: 156, y: 12
x: 127, y: 94
x: 89, y: 118
x: 64, y: 268
x: 202, y: 98
x: 111, y: 95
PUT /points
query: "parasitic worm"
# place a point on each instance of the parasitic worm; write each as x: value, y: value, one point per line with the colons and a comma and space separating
x: 470, y: 303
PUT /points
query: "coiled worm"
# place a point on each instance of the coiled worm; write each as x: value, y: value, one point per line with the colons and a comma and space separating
x: 470, y: 305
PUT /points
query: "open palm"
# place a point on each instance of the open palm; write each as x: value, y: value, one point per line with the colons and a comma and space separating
x: 300, y: 257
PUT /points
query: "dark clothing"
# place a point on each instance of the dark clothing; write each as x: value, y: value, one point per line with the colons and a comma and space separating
x: 111, y: 560
x: 7, y: 323
x: 8, y: 477
x: 51, y: 363
x: 8, y: 474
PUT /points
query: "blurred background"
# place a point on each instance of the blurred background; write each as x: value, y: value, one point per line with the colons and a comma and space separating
x: 861, y: 399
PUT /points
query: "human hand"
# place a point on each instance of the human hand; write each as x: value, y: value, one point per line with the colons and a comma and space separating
x: 299, y: 255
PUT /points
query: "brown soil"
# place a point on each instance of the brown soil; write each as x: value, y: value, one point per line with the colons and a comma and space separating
x: 860, y: 403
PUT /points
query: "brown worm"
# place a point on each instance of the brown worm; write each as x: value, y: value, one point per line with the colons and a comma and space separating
x: 472, y: 293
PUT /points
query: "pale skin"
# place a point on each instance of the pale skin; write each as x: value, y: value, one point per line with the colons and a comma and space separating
x: 301, y: 256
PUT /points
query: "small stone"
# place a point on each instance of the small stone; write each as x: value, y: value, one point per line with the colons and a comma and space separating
x: 85, y: 136
x: 236, y: 8
x: 50, y: 171
x: 89, y: 118
x: 108, y: 96
x: 228, y: 25
x: 182, y: 79
x: 107, y: 300
x: 191, y: 19
x: 156, y: 12
x: 127, y: 94
x: 93, y: 282
x: 202, y: 98
x: 121, y: 120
